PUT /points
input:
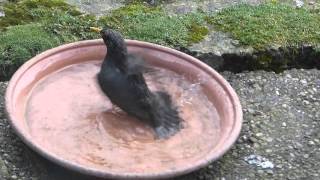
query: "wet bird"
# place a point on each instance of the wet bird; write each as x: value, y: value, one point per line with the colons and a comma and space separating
x: 121, y: 79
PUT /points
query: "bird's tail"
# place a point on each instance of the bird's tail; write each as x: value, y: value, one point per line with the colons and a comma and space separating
x: 167, y: 121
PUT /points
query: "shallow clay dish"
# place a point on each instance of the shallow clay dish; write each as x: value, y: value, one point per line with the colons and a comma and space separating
x: 28, y: 80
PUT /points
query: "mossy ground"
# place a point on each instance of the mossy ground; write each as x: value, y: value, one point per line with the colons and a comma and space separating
x: 26, y: 11
x: 269, y: 24
x: 142, y: 22
x: 136, y: 20
x: 20, y: 43
x: 63, y: 23
x: 32, y: 26
x: 255, y: 26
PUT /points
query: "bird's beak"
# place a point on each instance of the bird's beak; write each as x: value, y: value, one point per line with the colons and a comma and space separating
x: 95, y: 29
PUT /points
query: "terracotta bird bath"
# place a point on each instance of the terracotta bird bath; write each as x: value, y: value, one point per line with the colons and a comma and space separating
x: 57, y: 108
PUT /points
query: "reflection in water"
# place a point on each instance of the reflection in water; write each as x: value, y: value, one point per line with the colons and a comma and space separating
x: 70, y: 116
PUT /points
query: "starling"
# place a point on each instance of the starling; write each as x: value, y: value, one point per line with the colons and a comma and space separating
x: 121, y: 79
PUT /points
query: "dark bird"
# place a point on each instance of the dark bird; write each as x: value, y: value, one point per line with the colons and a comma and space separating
x: 121, y: 79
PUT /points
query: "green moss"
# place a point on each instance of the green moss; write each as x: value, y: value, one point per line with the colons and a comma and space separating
x: 56, y: 16
x: 27, y: 11
x: 136, y: 8
x: 72, y: 28
x: 138, y: 21
x: 20, y: 43
x: 135, y: 21
x: 267, y: 24
x: 157, y: 2
x: 32, y: 26
x: 197, y: 33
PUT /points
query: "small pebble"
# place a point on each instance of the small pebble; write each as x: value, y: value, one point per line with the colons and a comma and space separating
x: 311, y: 143
x: 259, y: 161
x: 311, y: 2
x: 303, y: 81
x: 269, y: 171
x: 260, y: 171
x: 268, y: 150
x: 269, y: 139
x: 267, y: 164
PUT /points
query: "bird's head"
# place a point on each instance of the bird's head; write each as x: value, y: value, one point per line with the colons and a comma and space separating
x: 111, y: 38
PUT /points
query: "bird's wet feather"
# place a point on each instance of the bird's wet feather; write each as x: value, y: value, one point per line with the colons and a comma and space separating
x: 121, y: 79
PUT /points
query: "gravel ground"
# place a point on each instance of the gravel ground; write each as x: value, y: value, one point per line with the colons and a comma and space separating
x: 280, y: 138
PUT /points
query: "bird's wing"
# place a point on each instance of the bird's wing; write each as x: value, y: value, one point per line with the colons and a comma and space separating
x: 137, y: 65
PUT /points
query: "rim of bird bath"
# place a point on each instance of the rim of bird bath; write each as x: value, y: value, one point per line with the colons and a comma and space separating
x: 22, y: 133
